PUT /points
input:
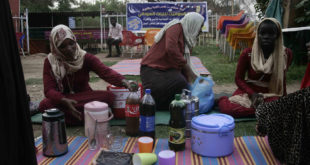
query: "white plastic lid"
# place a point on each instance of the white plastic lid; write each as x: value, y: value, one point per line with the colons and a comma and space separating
x: 213, y: 122
x: 145, y: 139
x: 166, y: 154
x: 96, y: 106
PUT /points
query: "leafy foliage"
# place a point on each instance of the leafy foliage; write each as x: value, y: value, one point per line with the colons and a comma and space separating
x: 222, y: 6
x: 110, y: 5
x: 65, y: 5
x: 303, y: 18
x: 260, y: 7
x: 115, y: 6
x: 37, y: 5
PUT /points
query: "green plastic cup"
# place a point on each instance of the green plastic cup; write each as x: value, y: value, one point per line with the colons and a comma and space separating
x: 144, y: 158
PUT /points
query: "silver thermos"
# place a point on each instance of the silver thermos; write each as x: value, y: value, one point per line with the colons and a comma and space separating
x: 191, y: 110
x: 54, y: 133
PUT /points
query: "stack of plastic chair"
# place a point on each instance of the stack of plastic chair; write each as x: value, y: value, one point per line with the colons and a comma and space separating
x: 243, y: 24
x: 233, y: 25
x: 227, y: 22
x: 240, y: 34
x: 149, y: 37
x: 247, y: 36
x: 131, y: 40
x: 233, y: 18
x: 237, y: 30
x: 220, y: 25
x: 244, y: 40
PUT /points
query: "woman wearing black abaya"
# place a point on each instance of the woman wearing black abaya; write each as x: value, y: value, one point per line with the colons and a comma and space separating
x: 17, y: 141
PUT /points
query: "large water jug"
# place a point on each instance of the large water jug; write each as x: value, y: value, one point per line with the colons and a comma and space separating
x: 99, y: 112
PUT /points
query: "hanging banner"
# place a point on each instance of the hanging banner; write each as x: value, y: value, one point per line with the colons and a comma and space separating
x: 143, y: 16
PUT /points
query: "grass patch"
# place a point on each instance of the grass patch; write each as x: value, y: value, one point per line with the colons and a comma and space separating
x: 223, y: 71
x: 33, y: 81
x: 295, y: 73
x: 241, y: 129
x: 245, y: 128
x: 135, y: 78
x: 109, y: 63
x: 93, y: 79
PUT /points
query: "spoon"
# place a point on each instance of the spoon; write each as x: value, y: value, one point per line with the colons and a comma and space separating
x: 93, y: 140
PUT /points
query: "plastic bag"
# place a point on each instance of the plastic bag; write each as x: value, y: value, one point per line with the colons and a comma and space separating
x: 202, y: 88
x: 115, y: 158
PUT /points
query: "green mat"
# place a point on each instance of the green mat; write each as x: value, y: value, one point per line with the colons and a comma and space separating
x: 162, y: 118
x: 37, y: 118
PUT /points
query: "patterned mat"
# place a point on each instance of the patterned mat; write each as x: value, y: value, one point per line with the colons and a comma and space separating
x: 247, y: 150
x: 132, y: 67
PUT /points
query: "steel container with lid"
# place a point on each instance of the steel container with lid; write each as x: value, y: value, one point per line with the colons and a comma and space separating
x: 54, y: 133
x: 191, y: 110
x: 212, y: 135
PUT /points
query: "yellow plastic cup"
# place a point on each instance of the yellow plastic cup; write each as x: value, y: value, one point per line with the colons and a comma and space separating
x: 144, y: 159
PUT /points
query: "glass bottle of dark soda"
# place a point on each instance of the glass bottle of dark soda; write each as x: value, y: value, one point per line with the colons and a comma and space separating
x: 147, y: 115
x: 132, y: 112
x: 177, y: 124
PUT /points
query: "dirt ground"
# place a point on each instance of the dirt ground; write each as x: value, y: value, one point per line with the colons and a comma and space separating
x: 33, y: 67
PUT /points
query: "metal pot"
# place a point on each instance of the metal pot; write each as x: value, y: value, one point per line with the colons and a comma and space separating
x: 54, y: 133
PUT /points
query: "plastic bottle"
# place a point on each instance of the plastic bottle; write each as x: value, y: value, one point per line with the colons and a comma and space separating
x: 177, y: 124
x: 147, y: 115
x: 132, y: 112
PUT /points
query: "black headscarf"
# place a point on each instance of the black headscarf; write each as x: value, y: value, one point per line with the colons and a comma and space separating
x: 17, y: 141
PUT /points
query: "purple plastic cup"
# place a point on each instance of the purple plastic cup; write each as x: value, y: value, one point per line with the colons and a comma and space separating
x: 166, y: 157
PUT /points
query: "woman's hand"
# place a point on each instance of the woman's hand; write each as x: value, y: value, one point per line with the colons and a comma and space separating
x: 257, y: 99
x: 69, y: 103
x: 130, y: 85
x: 189, y: 74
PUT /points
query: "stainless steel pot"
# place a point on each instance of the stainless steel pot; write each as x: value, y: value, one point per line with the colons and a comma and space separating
x: 54, y: 133
x: 191, y: 110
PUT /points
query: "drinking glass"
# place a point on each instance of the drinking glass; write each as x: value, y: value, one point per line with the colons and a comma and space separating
x: 92, y: 139
x: 115, y: 139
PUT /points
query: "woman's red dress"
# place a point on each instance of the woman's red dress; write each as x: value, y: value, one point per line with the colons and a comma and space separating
x: 244, y: 68
x: 78, y: 82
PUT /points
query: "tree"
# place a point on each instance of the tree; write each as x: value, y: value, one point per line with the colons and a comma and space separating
x: 110, y: 5
x: 37, y: 5
x: 261, y: 7
x: 47, y: 5
x: 66, y: 5
x: 300, y: 12
x: 115, y: 5
x: 303, y: 18
x: 222, y: 6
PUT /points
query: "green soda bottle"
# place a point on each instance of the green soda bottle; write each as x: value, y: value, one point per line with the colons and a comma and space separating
x: 177, y: 124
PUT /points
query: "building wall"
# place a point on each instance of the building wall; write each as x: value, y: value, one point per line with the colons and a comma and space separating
x: 14, y: 7
x: 14, y: 4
